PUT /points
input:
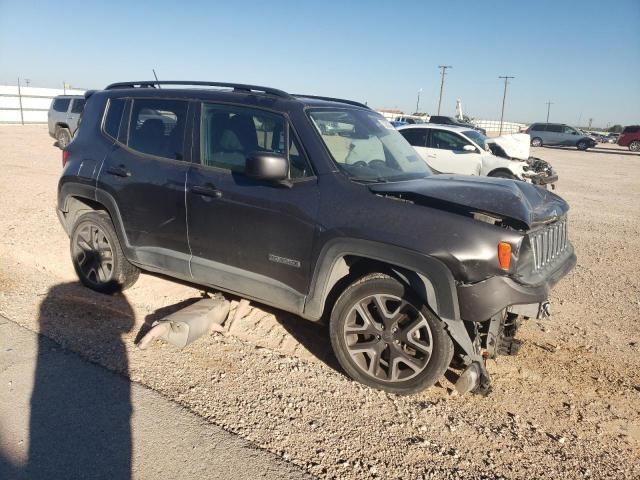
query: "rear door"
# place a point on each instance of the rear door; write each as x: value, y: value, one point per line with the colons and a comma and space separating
x: 554, y: 134
x: 146, y: 173
x: 417, y: 137
x: 248, y: 236
x: 450, y: 155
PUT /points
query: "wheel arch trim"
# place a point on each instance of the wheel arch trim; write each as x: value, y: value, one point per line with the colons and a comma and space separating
x: 427, y: 276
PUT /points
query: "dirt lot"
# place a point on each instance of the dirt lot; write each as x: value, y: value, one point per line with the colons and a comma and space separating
x: 568, y: 406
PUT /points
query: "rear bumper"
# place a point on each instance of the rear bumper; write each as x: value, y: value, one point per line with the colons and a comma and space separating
x: 480, y: 301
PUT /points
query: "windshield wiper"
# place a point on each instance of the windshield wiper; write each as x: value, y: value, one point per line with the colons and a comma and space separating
x: 369, y: 179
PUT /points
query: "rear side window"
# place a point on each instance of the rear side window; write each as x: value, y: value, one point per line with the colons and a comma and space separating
x: 417, y: 137
x: 446, y: 140
x: 61, y: 104
x: 555, y: 128
x: 157, y: 127
x: 78, y: 105
x: 631, y: 129
x: 537, y: 127
x: 114, y: 116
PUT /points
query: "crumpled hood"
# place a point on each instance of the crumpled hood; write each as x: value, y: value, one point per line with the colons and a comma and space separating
x: 515, y: 145
x: 520, y: 201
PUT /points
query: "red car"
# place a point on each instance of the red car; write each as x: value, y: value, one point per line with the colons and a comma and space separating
x: 630, y: 137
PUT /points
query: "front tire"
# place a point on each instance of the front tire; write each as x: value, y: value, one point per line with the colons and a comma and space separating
x: 386, y: 338
x: 634, y: 146
x: 536, y: 142
x: 503, y: 174
x: 582, y: 145
x: 97, y: 256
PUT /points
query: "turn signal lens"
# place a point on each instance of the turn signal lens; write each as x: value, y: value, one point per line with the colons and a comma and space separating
x: 504, y: 255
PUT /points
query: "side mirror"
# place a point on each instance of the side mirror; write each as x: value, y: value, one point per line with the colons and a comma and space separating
x: 469, y: 148
x: 267, y: 166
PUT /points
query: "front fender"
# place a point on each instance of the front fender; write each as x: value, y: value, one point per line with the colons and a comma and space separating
x: 428, y: 276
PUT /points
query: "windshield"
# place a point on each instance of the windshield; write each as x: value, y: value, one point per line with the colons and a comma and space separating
x: 477, y: 137
x: 366, y: 147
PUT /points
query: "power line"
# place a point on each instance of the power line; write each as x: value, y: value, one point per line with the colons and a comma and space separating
x: 444, y: 72
x: 549, y: 103
x: 504, y: 97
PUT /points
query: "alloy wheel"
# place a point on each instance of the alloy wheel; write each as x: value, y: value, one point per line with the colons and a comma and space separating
x: 93, y: 254
x: 388, y: 338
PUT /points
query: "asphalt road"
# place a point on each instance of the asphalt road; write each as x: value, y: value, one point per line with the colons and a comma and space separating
x: 63, y: 417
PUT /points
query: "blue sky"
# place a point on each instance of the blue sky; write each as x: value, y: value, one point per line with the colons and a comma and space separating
x: 583, y: 56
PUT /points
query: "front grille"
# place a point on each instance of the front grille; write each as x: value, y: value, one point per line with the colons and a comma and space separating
x: 549, y: 243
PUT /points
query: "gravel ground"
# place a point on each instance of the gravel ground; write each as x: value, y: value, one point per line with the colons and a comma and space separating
x: 567, y: 406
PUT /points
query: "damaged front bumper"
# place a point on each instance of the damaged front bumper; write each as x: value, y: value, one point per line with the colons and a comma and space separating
x: 540, y: 173
x: 482, y: 300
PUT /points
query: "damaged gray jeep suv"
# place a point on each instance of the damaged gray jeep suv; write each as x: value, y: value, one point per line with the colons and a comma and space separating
x: 316, y: 206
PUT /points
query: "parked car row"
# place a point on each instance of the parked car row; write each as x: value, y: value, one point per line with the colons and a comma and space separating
x: 335, y: 218
x: 461, y: 150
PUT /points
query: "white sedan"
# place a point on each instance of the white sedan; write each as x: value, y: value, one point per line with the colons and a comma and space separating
x: 461, y: 150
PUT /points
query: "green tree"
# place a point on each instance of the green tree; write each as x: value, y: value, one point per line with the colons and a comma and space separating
x: 615, y: 128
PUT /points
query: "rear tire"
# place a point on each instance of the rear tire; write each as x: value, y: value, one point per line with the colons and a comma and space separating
x: 635, y: 146
x: 582, y: 145
x: 386, y: 338
x: 97, y: 256
x: 63, y: 136
x: 536, y: 142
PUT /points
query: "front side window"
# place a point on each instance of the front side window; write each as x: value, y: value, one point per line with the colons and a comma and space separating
x: 230, y: 134
x: 477, y: 137
x: 61, y: 104
x: 78, y: 105
x: 114, y: 117
x: 570, y: 130
x: 365, y: 146
x: 417, y: 137
x: 157, y: 127
x: 445, y: 140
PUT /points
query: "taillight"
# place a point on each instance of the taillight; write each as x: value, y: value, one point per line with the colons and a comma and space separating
x: 65, y: 157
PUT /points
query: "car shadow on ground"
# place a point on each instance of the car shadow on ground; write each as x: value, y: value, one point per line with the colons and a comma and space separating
x: 79, y: 427
x: 600, y: 150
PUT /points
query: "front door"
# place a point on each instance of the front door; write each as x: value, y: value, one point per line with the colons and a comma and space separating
x: 447, y: 154
x: 248, y: 236
x: 146, y: 174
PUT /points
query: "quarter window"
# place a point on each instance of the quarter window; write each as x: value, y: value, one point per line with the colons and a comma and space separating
x: 230, y: 134
x: 445, y: 140
x: 114, y: 116
x: 417, y: 137
x: 61, y: 104
x: 157, y: 127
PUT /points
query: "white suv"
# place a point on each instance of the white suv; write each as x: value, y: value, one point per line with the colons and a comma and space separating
x: 462, y: 150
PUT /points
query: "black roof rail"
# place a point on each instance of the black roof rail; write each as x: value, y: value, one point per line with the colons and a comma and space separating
x: 235, y: 86
x: 331, y: 99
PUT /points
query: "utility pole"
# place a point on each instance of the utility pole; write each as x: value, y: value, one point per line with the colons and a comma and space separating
x: 549, y: 103
x: 418, y: 102
x: 444, y: 72
x: 504, y: 97
x: 590, y: 122
x: 20, y: 102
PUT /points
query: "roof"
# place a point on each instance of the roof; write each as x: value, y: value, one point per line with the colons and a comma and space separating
x: 205, y: 88
x: 452, y: 128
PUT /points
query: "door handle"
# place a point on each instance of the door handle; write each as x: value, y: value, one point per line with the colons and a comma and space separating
x: 206, y: 191
x: 120, y: 171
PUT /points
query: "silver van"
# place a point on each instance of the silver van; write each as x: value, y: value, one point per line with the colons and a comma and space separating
x: 559, y: 134
x: 64, y: 115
